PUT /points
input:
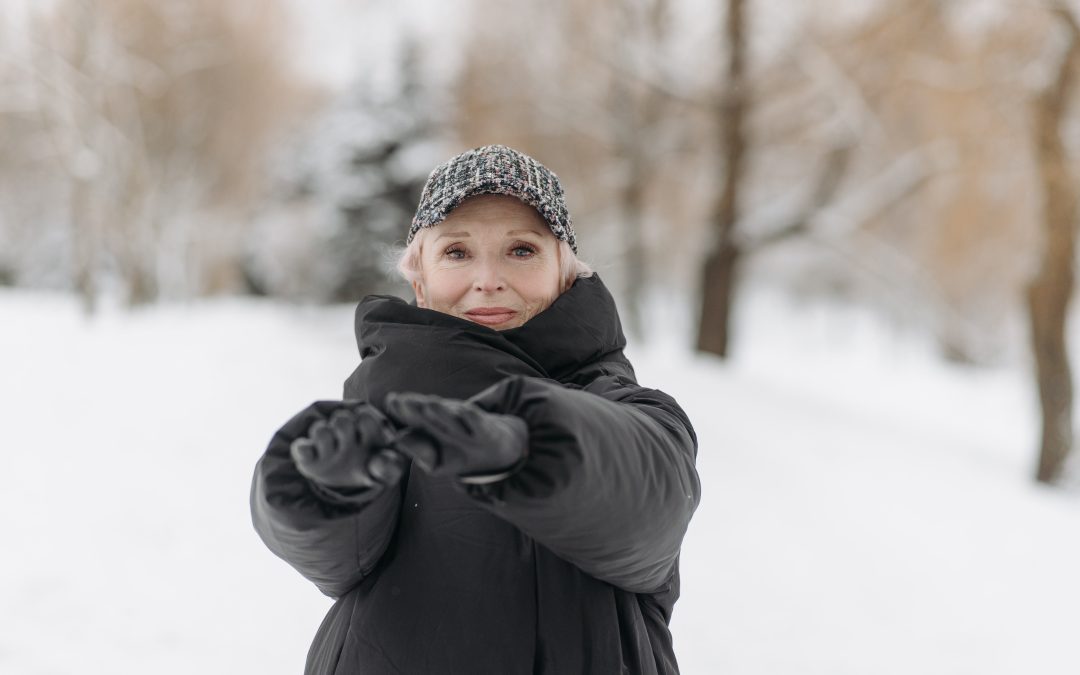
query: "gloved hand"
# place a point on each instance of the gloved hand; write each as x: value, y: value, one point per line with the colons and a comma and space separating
x: 449, y: 437
x: 351, y: 449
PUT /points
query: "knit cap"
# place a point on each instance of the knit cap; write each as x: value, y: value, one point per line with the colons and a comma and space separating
x: 493, y: 169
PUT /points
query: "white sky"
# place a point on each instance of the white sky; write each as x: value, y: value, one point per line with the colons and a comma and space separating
x: 334, y: 38
x: 338, y: 37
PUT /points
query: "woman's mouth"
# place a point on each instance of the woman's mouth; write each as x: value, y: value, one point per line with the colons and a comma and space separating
x: 490, y: 316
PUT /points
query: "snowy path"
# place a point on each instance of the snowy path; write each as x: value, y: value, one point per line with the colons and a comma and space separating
x: 866, y: 510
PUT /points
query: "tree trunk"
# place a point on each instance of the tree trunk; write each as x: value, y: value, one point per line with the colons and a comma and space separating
x: 1051, y: 290
x: 83, y: 208
x: 636, y: 261
x: 636, y: 113
x: 85, y: 242
x: 1047, y: 300
x: 719, y: 276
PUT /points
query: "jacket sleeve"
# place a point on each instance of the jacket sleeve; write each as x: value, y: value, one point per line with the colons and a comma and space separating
x: 609, y: 484
x: 331, y: 538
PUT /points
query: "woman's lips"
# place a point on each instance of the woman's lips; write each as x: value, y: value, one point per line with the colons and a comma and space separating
x: 490, y: 316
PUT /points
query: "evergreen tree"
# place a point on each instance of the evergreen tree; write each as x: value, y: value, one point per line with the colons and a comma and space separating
x: 346, y: 191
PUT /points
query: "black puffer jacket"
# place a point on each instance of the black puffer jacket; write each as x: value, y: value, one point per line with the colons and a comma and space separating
x: 568, y: 566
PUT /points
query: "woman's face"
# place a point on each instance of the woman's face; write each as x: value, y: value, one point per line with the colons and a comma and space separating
x: 492, y: 261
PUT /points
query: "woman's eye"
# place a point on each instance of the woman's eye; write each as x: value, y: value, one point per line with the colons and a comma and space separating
x: 522, y: 251
x: 454, y: 253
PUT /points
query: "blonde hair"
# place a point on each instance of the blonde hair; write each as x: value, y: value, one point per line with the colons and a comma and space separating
x: 570, y: 268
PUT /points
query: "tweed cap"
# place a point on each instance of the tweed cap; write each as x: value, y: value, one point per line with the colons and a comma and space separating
x: 493, y: 169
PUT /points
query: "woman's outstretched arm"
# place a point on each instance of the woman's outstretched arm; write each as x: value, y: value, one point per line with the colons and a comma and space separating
x: 332, y: 537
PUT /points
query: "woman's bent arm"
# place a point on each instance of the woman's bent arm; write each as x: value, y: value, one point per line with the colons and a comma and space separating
x: 609, y: 484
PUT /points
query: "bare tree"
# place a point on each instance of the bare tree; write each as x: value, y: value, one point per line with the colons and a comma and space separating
x: 871, y: 145
x: 636, y: 116
x: 156, y: 115
x: 601, y: 99
x: 720, y: 268
x: 1051, y: 290
x: 918, y: 126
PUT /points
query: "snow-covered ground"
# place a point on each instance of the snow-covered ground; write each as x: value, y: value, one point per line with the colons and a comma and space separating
x: 866, y: 509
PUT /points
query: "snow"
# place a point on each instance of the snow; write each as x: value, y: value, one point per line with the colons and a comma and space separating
x: 866, y: 508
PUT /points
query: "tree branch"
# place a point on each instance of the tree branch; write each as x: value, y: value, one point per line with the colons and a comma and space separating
x: 902, y: 178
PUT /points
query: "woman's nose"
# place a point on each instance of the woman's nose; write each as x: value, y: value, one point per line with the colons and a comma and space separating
x: 488, y: 277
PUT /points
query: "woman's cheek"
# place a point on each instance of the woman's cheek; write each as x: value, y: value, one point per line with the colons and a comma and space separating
x: 449, y: 285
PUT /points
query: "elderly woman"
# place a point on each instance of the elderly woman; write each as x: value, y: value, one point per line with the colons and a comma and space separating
x: 495, y: 493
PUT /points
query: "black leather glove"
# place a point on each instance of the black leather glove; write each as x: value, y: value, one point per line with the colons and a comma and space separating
x: 349, y: 452
x: 449, y: 437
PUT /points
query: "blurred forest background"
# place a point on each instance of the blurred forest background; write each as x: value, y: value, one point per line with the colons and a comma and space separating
x: 916, y: 156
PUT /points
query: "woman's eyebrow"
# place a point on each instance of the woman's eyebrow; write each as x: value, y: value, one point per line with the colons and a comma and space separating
x: 456, y: 235
x: 517, y: 232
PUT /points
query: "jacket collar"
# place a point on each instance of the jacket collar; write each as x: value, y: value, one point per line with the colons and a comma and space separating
x: 580, y: 327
